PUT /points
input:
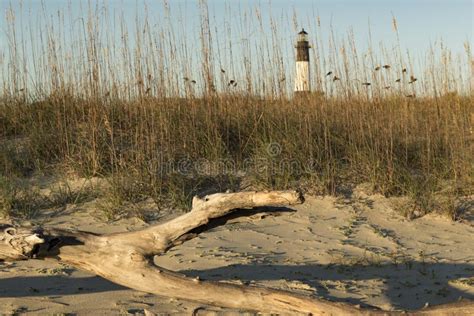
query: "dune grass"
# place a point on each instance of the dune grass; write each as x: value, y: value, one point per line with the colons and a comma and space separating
x: 136, y: 117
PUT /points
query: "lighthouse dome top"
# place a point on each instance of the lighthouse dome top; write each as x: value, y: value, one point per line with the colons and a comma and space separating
x: 302, y: 36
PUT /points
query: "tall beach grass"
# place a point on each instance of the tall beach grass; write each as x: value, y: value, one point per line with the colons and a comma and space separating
x: 100, y: 96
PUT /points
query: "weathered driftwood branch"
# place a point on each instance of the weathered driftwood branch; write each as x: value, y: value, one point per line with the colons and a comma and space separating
x: 127, y: 258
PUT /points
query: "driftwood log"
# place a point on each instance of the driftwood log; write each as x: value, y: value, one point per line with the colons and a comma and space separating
x: 127, y: 259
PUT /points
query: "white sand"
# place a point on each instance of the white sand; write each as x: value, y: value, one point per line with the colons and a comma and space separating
x: 355, y: 249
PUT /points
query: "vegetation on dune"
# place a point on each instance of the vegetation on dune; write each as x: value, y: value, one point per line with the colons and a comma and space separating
x: 139, y: 119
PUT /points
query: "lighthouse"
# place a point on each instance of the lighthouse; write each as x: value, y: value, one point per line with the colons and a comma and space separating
x: 302, y: 79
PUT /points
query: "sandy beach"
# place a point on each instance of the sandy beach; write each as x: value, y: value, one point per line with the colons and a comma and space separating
x: 353, y: 248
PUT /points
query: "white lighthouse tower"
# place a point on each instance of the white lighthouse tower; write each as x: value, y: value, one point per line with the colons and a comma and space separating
x: 302, y: 79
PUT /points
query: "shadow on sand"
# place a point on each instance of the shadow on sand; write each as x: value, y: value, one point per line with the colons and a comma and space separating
x: 54, y: 285
x: 407, y: 286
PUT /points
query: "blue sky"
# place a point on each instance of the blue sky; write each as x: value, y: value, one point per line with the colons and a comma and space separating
x: 421, y: 23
